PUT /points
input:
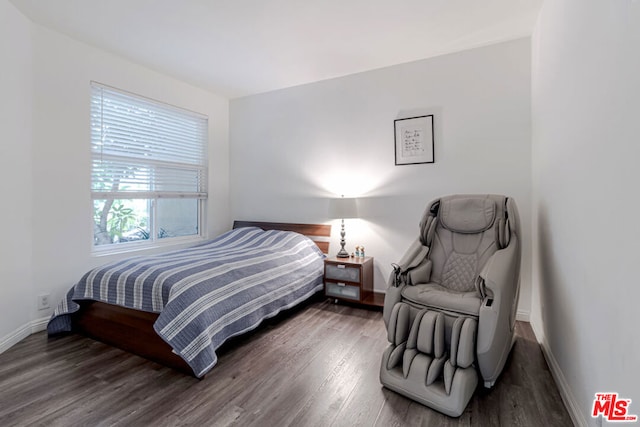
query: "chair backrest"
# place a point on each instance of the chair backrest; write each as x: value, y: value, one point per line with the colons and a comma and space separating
x: 462, y: 232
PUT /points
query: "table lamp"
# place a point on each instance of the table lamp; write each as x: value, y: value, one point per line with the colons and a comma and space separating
x: 343, y: 208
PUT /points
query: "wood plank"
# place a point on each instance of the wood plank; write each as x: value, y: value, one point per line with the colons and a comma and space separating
x: 375, y: 299
x: 128, y: 329
x: 324, y: 246
x: 320, y: 230
x: 313, y: 231
x: 316, y: 365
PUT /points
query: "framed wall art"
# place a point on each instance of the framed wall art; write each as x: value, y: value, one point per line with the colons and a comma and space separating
x: 414, y: 140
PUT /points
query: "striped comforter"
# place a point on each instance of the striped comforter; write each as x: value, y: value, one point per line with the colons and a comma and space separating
x: 207, y: 293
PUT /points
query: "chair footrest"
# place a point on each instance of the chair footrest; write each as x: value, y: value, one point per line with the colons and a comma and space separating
x: 463, y: 384
x: 420, y: 364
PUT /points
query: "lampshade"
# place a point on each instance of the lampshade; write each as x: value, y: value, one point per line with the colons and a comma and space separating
x: 342, y: 208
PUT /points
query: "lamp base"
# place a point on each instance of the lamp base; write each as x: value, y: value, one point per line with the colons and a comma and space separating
x: 342, y: 254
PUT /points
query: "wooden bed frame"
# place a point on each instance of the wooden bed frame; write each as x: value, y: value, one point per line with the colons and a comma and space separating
x: 132, y: 330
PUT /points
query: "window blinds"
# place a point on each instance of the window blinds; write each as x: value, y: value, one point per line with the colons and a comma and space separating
x: 145, y: 149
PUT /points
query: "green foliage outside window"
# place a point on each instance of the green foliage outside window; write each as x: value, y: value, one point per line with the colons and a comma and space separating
x: 119, y: 220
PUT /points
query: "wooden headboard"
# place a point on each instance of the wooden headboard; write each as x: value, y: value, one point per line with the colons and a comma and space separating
x: 319, y: 233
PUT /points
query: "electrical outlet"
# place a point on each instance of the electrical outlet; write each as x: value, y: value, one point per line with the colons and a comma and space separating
x: 43, y: 302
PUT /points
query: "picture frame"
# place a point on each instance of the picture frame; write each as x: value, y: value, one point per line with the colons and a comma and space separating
x: 414, y: 140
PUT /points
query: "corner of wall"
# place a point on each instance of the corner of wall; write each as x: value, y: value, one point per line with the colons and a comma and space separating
x: 566, y: 393
x: 22, y: 332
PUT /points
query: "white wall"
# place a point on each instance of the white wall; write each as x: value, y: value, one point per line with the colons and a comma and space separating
x: 292, y: 149
x: 62, y: 208
x: 16, y: 287
x: 586, y: 104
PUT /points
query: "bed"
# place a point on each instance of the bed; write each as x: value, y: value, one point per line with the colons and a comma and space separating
x: 178, y: 307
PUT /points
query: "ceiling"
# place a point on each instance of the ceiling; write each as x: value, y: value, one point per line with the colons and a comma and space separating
x: 242, y: 47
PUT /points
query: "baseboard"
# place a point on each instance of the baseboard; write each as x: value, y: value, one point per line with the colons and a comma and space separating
x: 566, y: 394
x: 14, y: 337
x: 22, y: 332
x: 39, y: 325
x: 522, y: 315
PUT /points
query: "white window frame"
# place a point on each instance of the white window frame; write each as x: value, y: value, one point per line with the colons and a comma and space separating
x: 196, y: 162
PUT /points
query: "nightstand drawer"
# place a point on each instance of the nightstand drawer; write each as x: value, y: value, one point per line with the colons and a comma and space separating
x: 342, y: 290
x: 343, y: 272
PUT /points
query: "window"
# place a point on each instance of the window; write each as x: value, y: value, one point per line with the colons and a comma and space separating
x: 148, y: 172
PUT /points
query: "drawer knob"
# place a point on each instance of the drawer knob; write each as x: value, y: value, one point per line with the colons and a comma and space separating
x: 341, y: 266
x: 341, y: 284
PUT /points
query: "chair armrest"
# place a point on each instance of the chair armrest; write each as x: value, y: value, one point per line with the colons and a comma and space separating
x: 501, y: 269
x: 416, y: 253
x: 412, y: 258
x: 500, y: 282
x: 391, y: 298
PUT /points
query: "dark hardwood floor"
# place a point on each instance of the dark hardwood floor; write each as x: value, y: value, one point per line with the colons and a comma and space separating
x: 315, y: 366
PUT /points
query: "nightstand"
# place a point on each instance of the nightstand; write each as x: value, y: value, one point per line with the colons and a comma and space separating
x: 351, y: 279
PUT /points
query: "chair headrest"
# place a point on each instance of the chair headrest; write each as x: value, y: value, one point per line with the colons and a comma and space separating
x: 467, y: 214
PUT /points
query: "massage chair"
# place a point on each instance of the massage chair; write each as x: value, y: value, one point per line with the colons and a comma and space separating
x: 451, y: 303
